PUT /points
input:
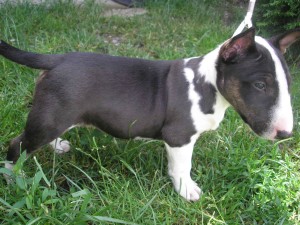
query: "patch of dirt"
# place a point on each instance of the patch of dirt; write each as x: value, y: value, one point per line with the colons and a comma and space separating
x: 111, y: 8
x: 129, y: 12
x: 115, y: 40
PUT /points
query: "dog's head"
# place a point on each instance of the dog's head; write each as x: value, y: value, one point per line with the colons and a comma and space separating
x: 254, y: 78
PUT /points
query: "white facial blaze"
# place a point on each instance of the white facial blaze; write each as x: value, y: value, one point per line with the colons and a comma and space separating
x: 282, y: 115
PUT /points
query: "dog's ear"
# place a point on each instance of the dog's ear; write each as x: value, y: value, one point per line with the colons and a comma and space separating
x: 238, y: 46
x: 283, y: 41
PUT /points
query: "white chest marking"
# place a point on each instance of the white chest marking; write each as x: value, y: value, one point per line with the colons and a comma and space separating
x: 204, y: 122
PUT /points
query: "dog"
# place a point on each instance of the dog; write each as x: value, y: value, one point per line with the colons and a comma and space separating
x: 170, y: 100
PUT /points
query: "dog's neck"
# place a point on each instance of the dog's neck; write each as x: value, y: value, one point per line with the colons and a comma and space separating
x: 207, y: 66
x: 208, y: 69
x: 205, y: 72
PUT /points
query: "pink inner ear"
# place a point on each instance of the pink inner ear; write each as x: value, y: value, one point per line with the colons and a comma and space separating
x: 243, y: 43
x: 229, y: 53
x: 237, y: 48
x: 238, y: 45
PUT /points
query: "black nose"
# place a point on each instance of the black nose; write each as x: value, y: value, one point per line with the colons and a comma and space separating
x: 283, y: 134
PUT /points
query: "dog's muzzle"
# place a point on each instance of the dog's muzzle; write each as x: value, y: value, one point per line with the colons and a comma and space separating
x: 283, y: 134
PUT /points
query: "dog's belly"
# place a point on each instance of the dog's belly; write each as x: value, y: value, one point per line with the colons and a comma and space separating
x: 123, y: 125
x: 125, y: 112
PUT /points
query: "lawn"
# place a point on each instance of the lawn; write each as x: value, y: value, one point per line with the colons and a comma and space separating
x: 103, y: 180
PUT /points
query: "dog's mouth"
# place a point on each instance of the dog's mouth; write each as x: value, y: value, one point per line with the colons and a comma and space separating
x: 269, y: 135
x: 277, y: 135
x: 270, y: 132
x: 262, y: 129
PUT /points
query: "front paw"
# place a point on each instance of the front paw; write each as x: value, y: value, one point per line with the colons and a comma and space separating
x: 187, y: 188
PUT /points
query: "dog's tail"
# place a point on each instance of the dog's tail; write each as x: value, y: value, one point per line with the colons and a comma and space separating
x: 33, y: 60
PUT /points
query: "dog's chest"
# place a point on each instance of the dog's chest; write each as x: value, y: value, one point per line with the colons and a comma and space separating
x: 207, y: 104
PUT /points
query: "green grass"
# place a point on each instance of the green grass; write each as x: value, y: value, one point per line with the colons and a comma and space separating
x: 246, y: 180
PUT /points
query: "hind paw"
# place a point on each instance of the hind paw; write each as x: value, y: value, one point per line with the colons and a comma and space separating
x: 60, y: 146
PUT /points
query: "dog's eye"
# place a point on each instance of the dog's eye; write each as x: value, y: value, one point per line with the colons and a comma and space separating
x: 260, y: 85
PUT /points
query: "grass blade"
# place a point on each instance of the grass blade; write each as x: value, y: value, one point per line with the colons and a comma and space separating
x: 108, y: 219
x: 13, y: 209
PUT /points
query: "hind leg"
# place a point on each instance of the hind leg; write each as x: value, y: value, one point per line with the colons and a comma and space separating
x: 45, y: 123
x: 34, y: 137
x: 53, y: 112
x: 30, y: 140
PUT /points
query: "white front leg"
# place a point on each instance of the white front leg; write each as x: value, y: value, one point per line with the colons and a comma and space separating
x: 179, y: 168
